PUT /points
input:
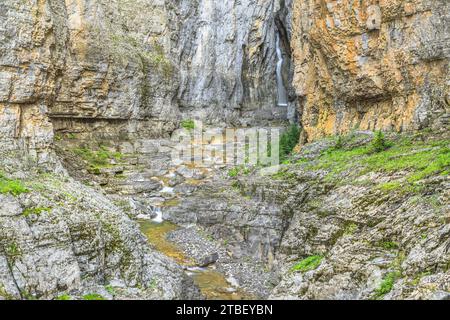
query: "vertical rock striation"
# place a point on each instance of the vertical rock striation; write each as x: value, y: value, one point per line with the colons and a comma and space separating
x: 228, y: 59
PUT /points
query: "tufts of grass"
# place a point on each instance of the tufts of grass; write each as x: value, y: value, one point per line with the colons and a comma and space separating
x: 188, y: 124
x: 386, y: 285
x: 308, y: 264
x: 93, y: 296
x: 389, y: 186
x: 37, y: 211
x: 97, y: 159
x: 111, y: 290
x: 339, y: 143
x: 13, y: 251
x: 234, y: 172
x: 418, y: 159
x: 64, y: 297
x: 388, y: 245
x: 350, y: 229
x: 13, y: 187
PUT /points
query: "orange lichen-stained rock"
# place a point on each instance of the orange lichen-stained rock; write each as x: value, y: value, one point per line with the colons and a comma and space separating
x: 371, y: 65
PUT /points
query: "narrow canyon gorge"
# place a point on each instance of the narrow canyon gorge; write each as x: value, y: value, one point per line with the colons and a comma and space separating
x: 94, y: 93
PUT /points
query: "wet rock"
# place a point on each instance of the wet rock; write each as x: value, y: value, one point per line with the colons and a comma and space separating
x: 208, y: 259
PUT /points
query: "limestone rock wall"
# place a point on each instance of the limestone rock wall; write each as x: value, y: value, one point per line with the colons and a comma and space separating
x: 74, y: 63
x: 227, y: 59
x: 371, y: 64
x: 92, y: 67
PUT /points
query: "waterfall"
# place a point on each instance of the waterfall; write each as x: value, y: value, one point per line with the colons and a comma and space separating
x: 282, y: 95
x: 158, y: 218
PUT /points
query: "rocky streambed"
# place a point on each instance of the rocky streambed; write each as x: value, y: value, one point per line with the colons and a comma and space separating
x: 212, y: 283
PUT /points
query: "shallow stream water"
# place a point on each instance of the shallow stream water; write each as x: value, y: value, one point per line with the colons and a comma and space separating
x: 212, y: 284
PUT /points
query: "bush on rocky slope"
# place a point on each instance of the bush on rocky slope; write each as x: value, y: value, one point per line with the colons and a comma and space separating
x: 14, y: 187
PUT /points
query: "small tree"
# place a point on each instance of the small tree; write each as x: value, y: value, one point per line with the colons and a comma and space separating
x: 339, y: 143
x: 379, y: 142
x: 289, y: 140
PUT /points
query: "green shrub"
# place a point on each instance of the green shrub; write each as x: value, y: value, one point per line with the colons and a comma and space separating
x: 13, y: 251
x: 157, y: 59
x: 389, y: 245
x: 288, y: 141
x: 390, y: 186
x: 93, y: 296
x: 110, y: 290
x: 188, y: 124
x: 378, y: 143
x: 308, y: 264
x: 37, y: 211
x: 387, y: 284
x: 339, y: 143
x: 64, y: 297
x: 14, y: 187
x: 350, y: 229
x: 234, y: 172
x: 97, y: 159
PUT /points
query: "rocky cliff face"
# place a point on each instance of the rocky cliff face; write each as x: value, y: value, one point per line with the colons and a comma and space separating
x: 77, y: 66
x: 93, y: 89
x: 338, y: 222
x: 371, y: 65
x: 227, y: 60
x: 59, y: 238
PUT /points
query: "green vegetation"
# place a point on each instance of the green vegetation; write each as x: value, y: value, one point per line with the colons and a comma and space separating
x: 288, y: 141
x: 153, y: 284
x: 14, y: 187
x: 284, y: 174
x: 158, y: 60
x: 4, y: 294
x: 310, y: 263
x: 37, y: 211
x: 234, y: 172
x: 339, y: 143
x: 97, y: 159
x: 13, y: 251
x: 390, y: 186
x: 235, y: 185
x: 418, y: 277
x: 64, y: 297
x: 126, y: 47
x: 188, y: 124
x: 93, y: 296
x: 110, y: 290
x: 350, y: 229
x: 378, y: 143
x: 417, y: 158
x: 387, y: 284
x: 389, y: 245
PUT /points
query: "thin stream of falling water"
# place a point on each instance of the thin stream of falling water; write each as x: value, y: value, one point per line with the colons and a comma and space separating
x: 282, y: 94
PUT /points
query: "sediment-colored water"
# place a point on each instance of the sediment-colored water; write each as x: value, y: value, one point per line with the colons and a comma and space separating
x: 212, y: 283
